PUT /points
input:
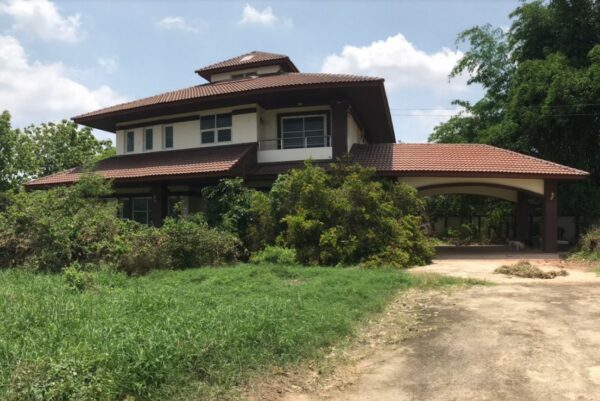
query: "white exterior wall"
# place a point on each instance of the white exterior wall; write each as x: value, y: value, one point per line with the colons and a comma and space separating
x: 186, y: 134
x: 286, y: 155
x: 532, y: 185
x: 355, y: 134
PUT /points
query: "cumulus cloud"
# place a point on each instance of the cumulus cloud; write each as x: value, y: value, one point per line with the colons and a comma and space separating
x: 108, y: 64
x: 42, y: 19
x: 266, y: 17
x: 35, y: 92
x: 400, y: 63
x: 178, y: 24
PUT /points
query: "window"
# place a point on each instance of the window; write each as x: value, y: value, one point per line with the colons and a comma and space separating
x: 124, y: 211
x: 148, y: 139
x: 303, y: 131
x: 129, y: 141
x: 142, y: 210
x: 244, y: 75
x: 168, y: 137
x: 219, y: 124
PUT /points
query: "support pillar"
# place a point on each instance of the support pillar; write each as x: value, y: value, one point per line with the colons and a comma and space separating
x: 550, y: 217
x: 522, y: 218
x: 159, y: 204
x: 339, y: 128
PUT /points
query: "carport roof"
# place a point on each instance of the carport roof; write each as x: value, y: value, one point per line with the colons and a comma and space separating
x: 452, y: 159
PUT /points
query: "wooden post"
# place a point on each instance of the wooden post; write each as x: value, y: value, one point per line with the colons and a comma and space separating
x: 159, y: 203
x: 339, y: 128
x: 550, y: 217
x: 522, y: 218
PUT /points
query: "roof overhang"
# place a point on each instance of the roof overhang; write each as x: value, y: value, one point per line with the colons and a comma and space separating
x: 285, y: 63
x: 368, y: 101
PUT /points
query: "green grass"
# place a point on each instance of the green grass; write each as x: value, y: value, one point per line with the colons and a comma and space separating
x: 194, y: 334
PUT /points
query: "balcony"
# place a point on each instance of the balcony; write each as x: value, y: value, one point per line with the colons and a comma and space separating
x: 295, y: 148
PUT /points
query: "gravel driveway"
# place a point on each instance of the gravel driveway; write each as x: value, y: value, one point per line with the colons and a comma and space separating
x: 517, y: 340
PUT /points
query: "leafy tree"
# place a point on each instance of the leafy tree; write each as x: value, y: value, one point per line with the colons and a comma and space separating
x: 59, y: 146
x: 15, y: 155
x: 542, y: 91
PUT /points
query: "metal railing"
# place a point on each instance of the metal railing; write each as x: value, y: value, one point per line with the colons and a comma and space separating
x: 295, y: 142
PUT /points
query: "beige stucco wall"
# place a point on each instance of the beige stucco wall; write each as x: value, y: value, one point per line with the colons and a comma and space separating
x: 355, y: 134
x: 187, y: 133
x: 532, y: 185
x: 494, y: 192
x: 284, y: 155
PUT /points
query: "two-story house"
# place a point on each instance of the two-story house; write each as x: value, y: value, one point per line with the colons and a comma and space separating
x: 258, y: 116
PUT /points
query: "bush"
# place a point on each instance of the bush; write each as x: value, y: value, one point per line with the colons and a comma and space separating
x: 348, y: 217
x: 145, y: 249
x: 191, y: 243
x: 275, y: 255
x: 47, y: 230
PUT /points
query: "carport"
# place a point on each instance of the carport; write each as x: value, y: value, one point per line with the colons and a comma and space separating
x: 436, y: 169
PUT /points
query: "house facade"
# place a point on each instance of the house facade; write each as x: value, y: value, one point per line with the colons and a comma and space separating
x: 258, y: 116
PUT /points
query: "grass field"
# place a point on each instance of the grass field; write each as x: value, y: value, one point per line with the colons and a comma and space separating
x: 194, y: 334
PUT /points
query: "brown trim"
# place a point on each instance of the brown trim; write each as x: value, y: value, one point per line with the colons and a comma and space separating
x: 477, y: 174
x: 248, y: 110
x: 325, y: 112
x: 477, y: 184
x: 158, y: 122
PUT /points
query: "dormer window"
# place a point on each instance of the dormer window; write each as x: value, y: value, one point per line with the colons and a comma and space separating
x: 215, y: 128
x: 244, y: 75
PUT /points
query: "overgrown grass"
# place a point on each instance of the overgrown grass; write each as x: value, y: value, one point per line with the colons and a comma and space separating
x: 193, y: 334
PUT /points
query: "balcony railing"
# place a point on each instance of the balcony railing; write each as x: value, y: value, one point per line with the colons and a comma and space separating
x: 295, y: 142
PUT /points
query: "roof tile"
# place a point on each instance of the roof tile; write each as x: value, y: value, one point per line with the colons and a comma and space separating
x: 455, y: 158
x: 245, y: 59
x: 196, y: 161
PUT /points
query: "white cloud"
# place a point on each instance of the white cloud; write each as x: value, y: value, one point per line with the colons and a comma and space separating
x: 43, y: 19
x: 35, y: 92
x: 266, y: 17
x: 178, y: 23
x: 108, y: 64
x: 401, y: 64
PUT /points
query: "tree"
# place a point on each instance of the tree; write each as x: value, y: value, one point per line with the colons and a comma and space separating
x: 15, y: 155
x: 59, y: 146
x: 542, y: 91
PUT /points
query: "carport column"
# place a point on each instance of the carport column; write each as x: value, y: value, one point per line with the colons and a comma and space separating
x: 522, y: 217
x: 339, y: 128
x: 550, y: 217
x: 159, y: 203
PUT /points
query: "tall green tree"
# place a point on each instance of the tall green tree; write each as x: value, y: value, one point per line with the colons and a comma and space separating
x: 542, y: 91
x: 59, y: 146
x: 16, y: 157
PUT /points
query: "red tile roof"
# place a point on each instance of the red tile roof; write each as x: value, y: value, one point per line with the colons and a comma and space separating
x: 199, y: 161
x: 248, y: 60
x: 233, y: 87
x: 471, y: 159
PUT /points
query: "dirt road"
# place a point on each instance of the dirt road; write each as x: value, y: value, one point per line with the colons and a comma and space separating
x: 517, y: 340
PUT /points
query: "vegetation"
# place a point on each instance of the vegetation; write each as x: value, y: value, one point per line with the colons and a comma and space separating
x: 68, y: 226
x: 275, y: 255
x: 589, y: 246
x: 45, y: 149
x: 197, y: 333
x: 525, y: 269
x: 542, y: 92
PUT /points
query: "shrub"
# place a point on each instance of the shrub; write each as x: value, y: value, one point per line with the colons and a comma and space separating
x: 348, y: 217
x: 192, y: 243
x: 145, y: 248
x: 47, y: 230
x: 275, y: 255
x: 77, y: 279
x: 590, y: 241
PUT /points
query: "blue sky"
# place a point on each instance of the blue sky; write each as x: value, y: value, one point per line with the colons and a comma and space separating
x: 61, y: 58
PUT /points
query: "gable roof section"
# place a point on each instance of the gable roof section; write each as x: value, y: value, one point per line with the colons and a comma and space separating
x: 248, y: 60
x: 457, y: 159
x: 197, y: 162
